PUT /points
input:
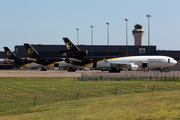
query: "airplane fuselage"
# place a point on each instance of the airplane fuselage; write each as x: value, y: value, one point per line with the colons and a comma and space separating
x: 31, y: 65
x: 49, y: 62
x: 122, y: 62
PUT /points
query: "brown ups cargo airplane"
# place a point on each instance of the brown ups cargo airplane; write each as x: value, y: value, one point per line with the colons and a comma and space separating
x: 45, y: 62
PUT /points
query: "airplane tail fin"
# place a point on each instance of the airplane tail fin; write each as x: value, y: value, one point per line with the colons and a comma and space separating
x: 10, y: 54
x: 31, y: 51
x: 70, y: 46
x: 73, y: 50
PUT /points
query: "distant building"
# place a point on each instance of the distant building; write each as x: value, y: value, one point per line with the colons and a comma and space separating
x: 138, y: 33
x: 98, y: 50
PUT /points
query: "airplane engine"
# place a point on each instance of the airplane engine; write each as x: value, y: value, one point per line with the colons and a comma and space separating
x: 75, y: 53
x: 132, y: 67
x: 60, y: 65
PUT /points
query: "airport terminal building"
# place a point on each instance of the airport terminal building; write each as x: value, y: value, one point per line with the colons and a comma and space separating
x: 98, y: 50
x: 95, y: 50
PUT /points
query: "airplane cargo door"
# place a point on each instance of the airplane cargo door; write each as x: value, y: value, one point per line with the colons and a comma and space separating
x: 144, y: 64
x: 56, y: 64
x: 95, y: 64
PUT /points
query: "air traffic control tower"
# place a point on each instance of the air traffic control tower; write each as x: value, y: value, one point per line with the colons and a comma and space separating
x: 138, y: 33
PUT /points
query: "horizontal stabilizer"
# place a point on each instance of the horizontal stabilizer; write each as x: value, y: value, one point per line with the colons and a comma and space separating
x: 31, y: 59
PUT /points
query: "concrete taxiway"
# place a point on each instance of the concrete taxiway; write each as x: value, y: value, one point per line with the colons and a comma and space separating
x: 31, y: 73
x: 94, y: 73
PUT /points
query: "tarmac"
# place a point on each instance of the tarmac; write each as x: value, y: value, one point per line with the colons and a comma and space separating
x: 38, y: 73
x: 93, y: 73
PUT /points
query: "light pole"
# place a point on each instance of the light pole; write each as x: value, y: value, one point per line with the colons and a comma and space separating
x: 108, y: 36
x: 91, y: 40
x: 148, y: 16
x: 126, y: 38
x: 77, y: 36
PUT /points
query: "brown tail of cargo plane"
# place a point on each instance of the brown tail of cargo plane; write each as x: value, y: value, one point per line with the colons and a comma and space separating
x: 10, y: 54
x: 70, y: 45
x: 73, y: 50
x: 31, y: 51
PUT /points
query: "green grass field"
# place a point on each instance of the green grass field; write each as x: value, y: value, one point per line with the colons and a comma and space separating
x: 66, y: 98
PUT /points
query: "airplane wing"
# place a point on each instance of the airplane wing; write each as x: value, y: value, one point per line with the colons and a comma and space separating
x: 70, y: 63
x: 9, y: 60
x: 74, y: 60
x: 129, y: 66
x: 115, y: 64
x: 31, y: 59
x: 118, y: 64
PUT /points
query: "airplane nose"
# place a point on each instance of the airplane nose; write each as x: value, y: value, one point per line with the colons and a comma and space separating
x: 175, y: 62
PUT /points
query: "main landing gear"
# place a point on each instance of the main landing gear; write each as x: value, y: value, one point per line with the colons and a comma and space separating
x: 165, y: 70
x: 114, y: 70
x: 71, y: 69
x: 43, y: 69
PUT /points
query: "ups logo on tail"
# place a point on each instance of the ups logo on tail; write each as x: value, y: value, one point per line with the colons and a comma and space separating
x: 30, y: 51
x: 9, y: 53
x: 69, y: 45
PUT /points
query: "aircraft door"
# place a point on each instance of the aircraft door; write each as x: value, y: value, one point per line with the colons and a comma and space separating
x: 168, y: 60
x: 94, y: 64
x: 144, y: 64
x: 56, y: 64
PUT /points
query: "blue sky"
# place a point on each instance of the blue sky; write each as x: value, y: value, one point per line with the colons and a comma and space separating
x: 47, y: 21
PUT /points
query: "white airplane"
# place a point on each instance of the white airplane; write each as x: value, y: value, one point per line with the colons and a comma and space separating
x: 78, y: 60
x: 135, y: 62
x: 125, y: 63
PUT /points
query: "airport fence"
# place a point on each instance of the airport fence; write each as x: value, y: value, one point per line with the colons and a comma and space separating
x: 82, y: 90
x: 98, y: 85
x: 131, y: 75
